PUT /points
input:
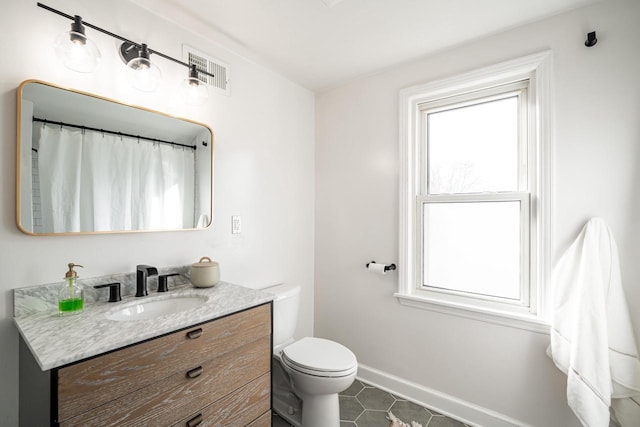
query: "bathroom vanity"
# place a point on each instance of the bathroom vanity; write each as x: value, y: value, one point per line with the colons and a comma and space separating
x: 205, y: 366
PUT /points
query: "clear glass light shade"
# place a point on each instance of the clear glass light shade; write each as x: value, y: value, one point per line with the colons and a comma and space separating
x: 193, y: 91
x: 144, y: 74
x: 77, y: 52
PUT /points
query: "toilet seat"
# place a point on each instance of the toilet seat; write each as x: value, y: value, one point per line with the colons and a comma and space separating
x: 320, y: 357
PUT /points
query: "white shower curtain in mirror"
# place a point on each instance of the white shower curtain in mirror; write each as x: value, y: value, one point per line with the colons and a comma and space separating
x: 98, y: 182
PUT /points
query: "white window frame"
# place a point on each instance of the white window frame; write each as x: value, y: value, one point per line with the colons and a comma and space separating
x: 523, y: 305
x: 532, y: 315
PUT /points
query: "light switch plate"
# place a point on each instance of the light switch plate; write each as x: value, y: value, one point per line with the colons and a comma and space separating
x: 236, y: 224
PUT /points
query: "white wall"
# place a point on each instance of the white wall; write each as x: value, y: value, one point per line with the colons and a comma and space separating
x: 264, y: 163
x: 596, y: 173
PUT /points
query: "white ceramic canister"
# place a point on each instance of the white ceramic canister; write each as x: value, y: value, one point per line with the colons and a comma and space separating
x: 205, y: 273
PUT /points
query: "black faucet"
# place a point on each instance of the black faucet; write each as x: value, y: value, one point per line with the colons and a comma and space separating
x: 163, y: 284
x: 114, y: 291
x: 142, y: 272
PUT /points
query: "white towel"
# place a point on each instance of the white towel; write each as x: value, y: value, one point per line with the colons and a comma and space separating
x: 592, y: 339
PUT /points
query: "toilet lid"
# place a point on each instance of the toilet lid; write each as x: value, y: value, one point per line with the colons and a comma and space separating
x: 320, y: 355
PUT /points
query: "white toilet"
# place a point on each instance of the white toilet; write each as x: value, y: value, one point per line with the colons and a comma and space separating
x: 309, y: 373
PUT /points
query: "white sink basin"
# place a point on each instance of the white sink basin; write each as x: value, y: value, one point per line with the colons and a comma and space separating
x: 149, y: 309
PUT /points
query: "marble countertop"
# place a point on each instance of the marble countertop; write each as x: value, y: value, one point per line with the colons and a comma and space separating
x: 59, y: 340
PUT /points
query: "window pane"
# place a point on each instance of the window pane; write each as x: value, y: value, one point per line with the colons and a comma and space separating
x: 473, y: 247
x: 474, y: 149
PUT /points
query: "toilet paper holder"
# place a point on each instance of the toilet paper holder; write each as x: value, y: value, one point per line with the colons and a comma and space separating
x: 386, y: 267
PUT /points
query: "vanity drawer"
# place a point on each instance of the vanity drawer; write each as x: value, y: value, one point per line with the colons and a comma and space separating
x: 263, y: 421
x: 185, y: 393
x: 100, y: 380
x: 244, y: 407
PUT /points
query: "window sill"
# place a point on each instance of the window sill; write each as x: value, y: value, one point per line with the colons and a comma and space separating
x: 527, y: 322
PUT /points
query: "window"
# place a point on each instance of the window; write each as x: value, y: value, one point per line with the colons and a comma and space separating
x: 474, y: 196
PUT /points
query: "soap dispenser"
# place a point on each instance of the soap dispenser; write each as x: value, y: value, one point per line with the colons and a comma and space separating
x: 71, y: 296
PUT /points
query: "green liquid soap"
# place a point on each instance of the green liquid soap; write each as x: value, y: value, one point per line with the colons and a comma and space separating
x: 71, y: 305
x: 71, y: 295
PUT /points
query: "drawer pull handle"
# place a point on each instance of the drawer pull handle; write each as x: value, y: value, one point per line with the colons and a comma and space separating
x: 196, y: 333
x: 195, y: 372
x: 195, y: 421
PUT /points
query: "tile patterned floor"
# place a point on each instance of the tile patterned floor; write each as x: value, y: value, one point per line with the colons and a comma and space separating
x: 362, y: 405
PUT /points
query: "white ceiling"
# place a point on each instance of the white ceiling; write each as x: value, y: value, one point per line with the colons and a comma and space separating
x: 323, y: 43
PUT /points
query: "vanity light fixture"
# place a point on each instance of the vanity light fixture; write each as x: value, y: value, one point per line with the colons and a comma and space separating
x: 193, y: 90
x: 75, y: 50
x: 145, y: 75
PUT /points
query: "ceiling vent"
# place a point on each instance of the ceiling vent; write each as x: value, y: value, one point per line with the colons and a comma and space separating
x: 220, y: 70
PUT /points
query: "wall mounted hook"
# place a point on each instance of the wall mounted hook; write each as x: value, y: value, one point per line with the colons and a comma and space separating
x: 591, y: 39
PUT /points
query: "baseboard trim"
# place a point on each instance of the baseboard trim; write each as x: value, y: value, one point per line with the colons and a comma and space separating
x: 442, y: 403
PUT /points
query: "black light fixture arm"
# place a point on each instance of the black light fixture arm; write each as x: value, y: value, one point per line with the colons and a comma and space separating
x: 124, y: 39
x: 86, y: 24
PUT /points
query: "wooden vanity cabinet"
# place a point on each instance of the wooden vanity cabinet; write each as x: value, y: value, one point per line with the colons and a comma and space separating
x: 213, y: 374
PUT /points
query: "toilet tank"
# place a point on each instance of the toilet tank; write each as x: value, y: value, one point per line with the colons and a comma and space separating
x: 285, y: 311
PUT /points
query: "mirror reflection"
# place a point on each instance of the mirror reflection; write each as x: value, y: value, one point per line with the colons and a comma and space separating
x: 91, y: 165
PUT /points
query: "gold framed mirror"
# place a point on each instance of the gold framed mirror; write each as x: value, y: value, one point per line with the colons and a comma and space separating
x: 88, y: 164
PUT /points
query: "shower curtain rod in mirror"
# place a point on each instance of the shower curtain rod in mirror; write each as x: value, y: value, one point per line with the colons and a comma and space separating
x: 139, y: 137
